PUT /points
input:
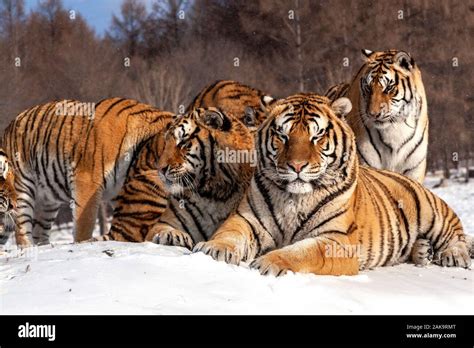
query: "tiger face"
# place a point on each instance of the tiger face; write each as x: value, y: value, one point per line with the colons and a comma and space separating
x: 387, y: 87
x: 7, y: 199
x: 6, y: 203
x: 299, y: 142
x: 6, y: 187
x: 188, y: 162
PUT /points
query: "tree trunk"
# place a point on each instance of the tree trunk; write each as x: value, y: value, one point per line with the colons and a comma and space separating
x: 466, y: 179
x: 299, y: 48
x: 446, y: 173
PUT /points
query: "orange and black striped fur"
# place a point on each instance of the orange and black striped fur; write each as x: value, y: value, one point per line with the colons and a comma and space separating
x: 189, y: 169
x: 75, y: 153
x: 311, y: 208
x: 389, y: 115
x: 246, y: 103
x: 7, y: 198
x: 142, y: 199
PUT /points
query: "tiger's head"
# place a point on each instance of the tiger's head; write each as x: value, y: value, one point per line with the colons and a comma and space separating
x: 305, y: 143
x: 388, y: 85
x: 250, y: 112
x: 194, y: 150
x: 245, y: 103
x: 7, y: 198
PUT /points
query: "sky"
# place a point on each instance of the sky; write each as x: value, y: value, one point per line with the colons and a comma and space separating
x: 98, y: 13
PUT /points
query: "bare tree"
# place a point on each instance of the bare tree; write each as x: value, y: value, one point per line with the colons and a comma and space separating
x: 128, y: 30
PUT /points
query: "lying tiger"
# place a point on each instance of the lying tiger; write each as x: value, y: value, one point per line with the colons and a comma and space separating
x: 311, y: 208
x: 7, y: 199
x: 196, y: 185
x: 143, y: 197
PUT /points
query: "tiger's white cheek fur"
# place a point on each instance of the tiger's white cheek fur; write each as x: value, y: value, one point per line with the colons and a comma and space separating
x: 3, y: 167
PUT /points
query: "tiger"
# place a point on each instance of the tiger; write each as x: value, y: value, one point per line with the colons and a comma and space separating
x: 389, y: 115
x: 244, y: 102
x: 195, y: 187
x: 312, y: 208
x: 7, y: 199
x: 143, y: 197
x: 75, y: 153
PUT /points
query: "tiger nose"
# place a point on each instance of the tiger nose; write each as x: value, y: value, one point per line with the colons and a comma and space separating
x: 374, y: 114
x: 297, y: 166
x: 378, y: 111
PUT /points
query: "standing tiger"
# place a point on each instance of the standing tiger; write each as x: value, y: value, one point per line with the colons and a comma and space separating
x: 311, y: 208
x: 7, y: 198
x: 389, y: 115
x: 202, y: 186
x: 75, y: 153
x: 246, y: 103
x: 143, y: 198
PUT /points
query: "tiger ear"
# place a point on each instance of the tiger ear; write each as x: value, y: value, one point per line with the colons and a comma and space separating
x: 216, y: 119
x: 3, y: 167
x: 250, y: 116
x: 366, y: 53
x: 266, y: 101
x: 404, y: 60
x: 341, y: 106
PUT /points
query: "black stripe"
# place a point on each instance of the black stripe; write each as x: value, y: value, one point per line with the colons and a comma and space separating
x: 396, y: 210
x: 407, y: 184
x: 372, y: 142
x: 382, y: 140
x: 268, y: 201
x: 418, y: 143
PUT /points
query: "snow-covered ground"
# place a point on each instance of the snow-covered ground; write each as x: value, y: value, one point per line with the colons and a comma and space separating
x: 125, y: 278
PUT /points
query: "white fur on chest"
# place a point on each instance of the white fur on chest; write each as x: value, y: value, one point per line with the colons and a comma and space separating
x: 393, y: 147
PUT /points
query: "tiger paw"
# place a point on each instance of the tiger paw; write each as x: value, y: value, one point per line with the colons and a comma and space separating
x: 271, y: 264
x: 102, y: 238
x: 456, y: 255
x: 23, y: 241
x: 173, y: 237
x: 219, y: 251
x: 422, y: 252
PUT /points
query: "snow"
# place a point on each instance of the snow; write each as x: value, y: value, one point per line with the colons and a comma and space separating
x: 127, y: 278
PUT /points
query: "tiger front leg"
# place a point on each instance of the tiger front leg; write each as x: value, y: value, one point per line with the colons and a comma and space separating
x: 233, y: 242
x: 327, y: 254
x: 87, y: 198
x: 165, y: 234
x: 25, y: 215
